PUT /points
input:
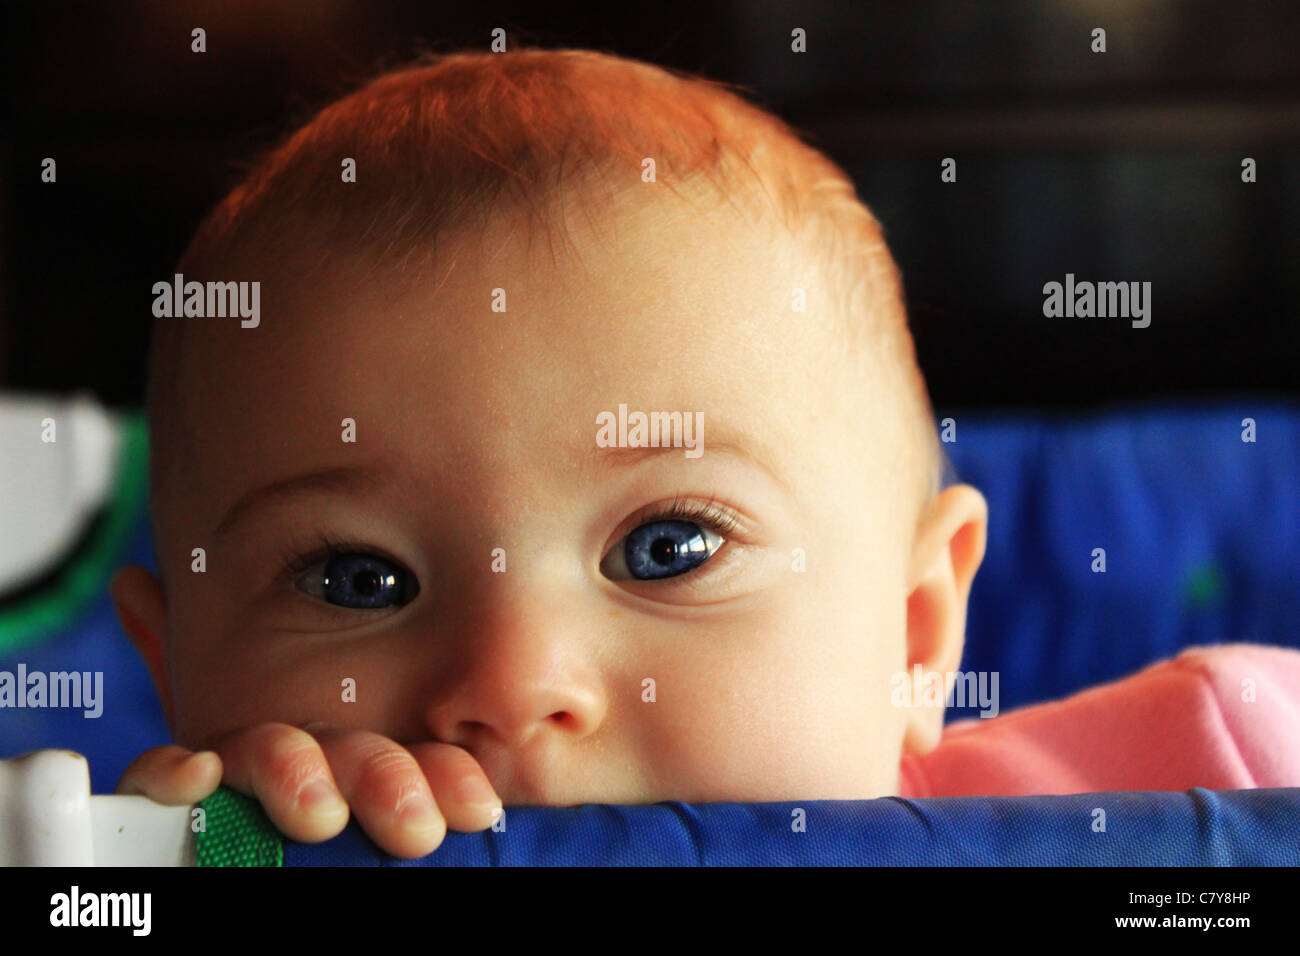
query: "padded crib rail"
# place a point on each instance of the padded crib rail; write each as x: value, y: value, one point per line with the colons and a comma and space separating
x: 1194, y: 828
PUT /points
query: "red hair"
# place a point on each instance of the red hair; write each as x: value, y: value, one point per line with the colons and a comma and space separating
x: 455, y: 139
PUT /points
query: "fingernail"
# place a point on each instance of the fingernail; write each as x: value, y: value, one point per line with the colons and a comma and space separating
x: 476, y: 790
x: 419, y: 816
x: 205, y: 756
x: 320, y: 799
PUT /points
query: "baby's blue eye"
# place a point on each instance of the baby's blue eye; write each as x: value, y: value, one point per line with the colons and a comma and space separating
x: 663, y: 549
x: 362, y: 581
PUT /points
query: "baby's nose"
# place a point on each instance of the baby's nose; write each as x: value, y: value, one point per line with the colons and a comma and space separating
x: 520, y: 673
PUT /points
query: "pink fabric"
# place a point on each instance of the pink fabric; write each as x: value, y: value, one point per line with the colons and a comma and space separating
x: 1178, y: 724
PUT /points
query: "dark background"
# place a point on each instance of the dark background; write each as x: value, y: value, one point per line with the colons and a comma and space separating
x: 1118, y: 166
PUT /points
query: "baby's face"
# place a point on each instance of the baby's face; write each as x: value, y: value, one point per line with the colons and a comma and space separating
x: 484, y: 594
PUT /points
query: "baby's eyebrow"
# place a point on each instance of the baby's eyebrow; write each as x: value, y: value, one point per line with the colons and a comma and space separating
x: 359, y: 479
x: 618, y: 458
x: 343, y: 479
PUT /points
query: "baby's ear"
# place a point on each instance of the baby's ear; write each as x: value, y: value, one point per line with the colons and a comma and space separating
x: 142, y: 610
x: 946, y: 552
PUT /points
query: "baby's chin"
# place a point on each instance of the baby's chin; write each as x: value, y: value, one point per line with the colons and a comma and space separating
x: 608, y: 795
x: 693, y: 796
x: 539, y: 783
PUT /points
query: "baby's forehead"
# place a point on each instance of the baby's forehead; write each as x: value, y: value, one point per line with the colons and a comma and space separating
x: 680, y: 308
x: 629, y: 285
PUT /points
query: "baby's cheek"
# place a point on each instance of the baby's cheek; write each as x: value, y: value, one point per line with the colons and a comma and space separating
x: 234, y: 680
x: 764, y: 716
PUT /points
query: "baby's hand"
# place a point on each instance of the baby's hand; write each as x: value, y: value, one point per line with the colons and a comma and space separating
x: 405, y: 799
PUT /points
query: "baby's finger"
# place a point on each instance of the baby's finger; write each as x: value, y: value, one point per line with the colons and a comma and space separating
x: 387, y: 791
x: 285, y: 769
x: 172, y: 775
x: 461, y: 788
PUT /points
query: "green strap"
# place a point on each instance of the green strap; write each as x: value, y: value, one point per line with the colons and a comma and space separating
x: 236, y: 832
x: 54, y: 609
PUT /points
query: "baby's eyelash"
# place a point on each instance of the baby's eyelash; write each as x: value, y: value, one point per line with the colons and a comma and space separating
x: 295, y: 562
x: 719, y: 517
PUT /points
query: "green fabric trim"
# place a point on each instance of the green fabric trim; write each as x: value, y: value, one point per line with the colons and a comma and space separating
x: 85, y: 580
x: 236, y: 832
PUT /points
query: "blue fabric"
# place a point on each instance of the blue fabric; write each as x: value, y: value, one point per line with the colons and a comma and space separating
x: 1200, y: 531
x: 132, y: 720
x: 1196, y: 828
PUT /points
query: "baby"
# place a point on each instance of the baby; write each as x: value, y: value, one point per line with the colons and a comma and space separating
x: 418, y: 559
